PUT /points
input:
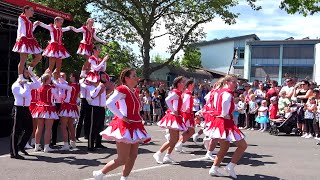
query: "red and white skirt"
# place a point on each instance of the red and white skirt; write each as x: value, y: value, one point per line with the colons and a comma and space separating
x: 188, y: 119
x: 27, y: 45
x: 171, y: 121
x: 69, y: 110
x: 56, y: 50
x: 93, y: 77
x: 32, y: 106
x: 44, y: 111
x: 121, y: 131
x: 224, y: 129
x: 85, y: 49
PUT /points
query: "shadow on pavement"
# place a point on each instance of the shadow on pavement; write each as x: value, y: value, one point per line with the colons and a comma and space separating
x: 257, y: 176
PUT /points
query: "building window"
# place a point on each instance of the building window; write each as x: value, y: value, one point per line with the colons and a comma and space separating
x: 265, y: 52
x: 241, y: 53
x: 238, y: 71
x: 298, y: 72
x: 260, y: 73
x: 298, y: 52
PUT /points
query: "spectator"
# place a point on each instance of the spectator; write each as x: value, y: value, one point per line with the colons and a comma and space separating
x: 273, y: 91
x: 156, y: 104
x: 289, y: 88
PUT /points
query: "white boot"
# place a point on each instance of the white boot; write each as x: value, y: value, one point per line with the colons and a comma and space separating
x: 37, y: 147
x: 157, y: 157
x: 47, y: 148
x: 33, y: 142
x: 230, y: 169
x: 98, y: 175
x: 178, y: 147
x: 73, y: 145
x: 167, y: 159
x: 195, y: 137
x: 210, y: 156
x: 123, y: 178
x: 65, y: 147
x: 27, y: 146
x: 214, y: 171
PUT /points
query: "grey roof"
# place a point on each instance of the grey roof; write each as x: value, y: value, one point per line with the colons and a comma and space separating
x: 226, y: 39
x: 279, y: 42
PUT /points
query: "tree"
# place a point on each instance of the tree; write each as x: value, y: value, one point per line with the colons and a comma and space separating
x: 191, y: 58
x: 305, y: 7
x: 138, y: 21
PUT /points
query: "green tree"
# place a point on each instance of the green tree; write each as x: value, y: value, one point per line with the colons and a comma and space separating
x: 137, y: 21
x: 305, y: 7
x: 191, y: 58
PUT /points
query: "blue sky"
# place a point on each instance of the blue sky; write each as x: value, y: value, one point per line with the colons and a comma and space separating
x: 269, y: 23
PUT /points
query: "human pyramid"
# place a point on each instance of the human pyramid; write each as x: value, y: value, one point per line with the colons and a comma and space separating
x: 40, y: 103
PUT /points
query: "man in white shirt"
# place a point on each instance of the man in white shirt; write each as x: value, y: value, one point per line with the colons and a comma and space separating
x: 97, y: 100
x: 22, y: 119
x: 289, y: 88
x: 85, y: 112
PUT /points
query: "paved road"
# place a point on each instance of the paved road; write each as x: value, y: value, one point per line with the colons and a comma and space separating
x: 267, y: 157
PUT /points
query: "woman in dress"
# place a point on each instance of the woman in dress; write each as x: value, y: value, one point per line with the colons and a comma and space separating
x: 86, y: 44
x: 69, y: 112
x: 96, y: 65
x: 56, y: 51
x: 172, y: 120
x: 126, y: 128
x: 45, y: 112
x: 26, y: 44
x: 224, y: 129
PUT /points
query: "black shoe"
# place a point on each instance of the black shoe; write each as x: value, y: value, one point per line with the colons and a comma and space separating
x: 24, y: 152
x: 17, y: 157
x: 52, y: 143
x: 91, y: 149
x: 100, y: 146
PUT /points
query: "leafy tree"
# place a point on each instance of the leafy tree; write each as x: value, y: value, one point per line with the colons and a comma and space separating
x: 138, y: 21
x: 191, y: 58
x: 305, y: 7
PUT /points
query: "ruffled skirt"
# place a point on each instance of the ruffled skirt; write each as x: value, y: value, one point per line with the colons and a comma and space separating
x: 224, y: 129
x: 69, y: 110
x: 32, y: 106
x: 121, y: 131
x: 262, y: 119
x: 188, y: 119
x: 44, y: 111
x: 93, y: 77
x: 56, y: 50
x: 171, y: 121
x: 85, y: 49
x: 27, y: 45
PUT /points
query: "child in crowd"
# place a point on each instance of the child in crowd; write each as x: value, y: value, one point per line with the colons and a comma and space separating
x: 310, y: 107
x: 146, y: 100
x: 242, y: 111
x: 235, y: 111
x: 273, y: 108
x: 262, y: 117
x: 253, y: 107
x: 283, y: 102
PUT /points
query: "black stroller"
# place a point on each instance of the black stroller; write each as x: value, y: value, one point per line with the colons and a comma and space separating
x: 289, y: 124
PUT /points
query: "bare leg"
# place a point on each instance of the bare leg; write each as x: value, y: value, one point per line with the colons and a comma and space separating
x: 224, y: 147
x: 23, y: 60
x: 63, y: 126
x: 123, y: 151
x: 186, y: 135
x: 132, y: 158
x: 213, y: 144
x: 47, y: 133
x: 37, y: 58
x: 85, y: 66
x: 34, y: 127
x: 38, y: 134
x: 71, y: 129
x: 52, y: 62
x: 58, y: 65
x: 174, y: 137
x: 241, y: 147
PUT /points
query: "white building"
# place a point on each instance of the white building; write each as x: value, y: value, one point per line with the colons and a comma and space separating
x: 257, y: 58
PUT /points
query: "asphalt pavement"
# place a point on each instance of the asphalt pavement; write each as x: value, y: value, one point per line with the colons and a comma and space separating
x: 267, y: 157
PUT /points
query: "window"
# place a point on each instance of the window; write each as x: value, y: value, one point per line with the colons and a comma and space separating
x: 298, y: 52
x: 265, y: 52
x: 238, y: 71
x: 241, y: 53
x: 299, y: 72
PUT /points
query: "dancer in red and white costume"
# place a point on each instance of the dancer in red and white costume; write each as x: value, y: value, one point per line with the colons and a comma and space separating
x: 86, y: 44
x: 55, y: 50
x: 126, y: 128
x: 45, y: 112
x: 172, y: 120
x: 96, y: 65
x: 33, y: 104
x: 224, y: 129
x: 187, y: 114
x: 26, y: 44
x: 69, y: 112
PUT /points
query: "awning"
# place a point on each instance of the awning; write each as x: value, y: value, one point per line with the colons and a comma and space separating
x: 40, y: 9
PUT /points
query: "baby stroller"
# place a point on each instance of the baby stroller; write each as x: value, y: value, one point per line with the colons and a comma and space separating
x: 288, y: 123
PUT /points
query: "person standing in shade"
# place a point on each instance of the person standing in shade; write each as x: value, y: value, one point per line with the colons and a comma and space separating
x: 22, y: 119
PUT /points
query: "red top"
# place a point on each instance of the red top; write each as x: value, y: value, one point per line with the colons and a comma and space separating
x: 191, y: 100
x: 132, y: 102
x: 273, y: 109
x: 34, y: 96
x: 179, y: 93
x: 29, y: 26
x: 89, y: 35
x: 219, y: 102
x: 45, y: 95
x: 57, y: 33
x: 74, y: 92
